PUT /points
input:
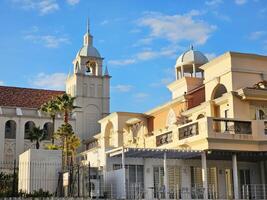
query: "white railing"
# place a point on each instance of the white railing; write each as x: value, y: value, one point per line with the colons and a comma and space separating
x: 254, y: 191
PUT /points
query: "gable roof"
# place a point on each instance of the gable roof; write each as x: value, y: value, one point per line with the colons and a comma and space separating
x: 25, y: 97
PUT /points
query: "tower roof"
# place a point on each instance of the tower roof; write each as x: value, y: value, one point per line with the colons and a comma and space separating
x: 191, y: 56
x: 88, y: 49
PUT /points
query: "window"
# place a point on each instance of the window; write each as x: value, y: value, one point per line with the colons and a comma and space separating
x: 28, y: 128
x: 218, y: 91
x: 200, y: 116
x: 10, y: 129
x: 48, y: 130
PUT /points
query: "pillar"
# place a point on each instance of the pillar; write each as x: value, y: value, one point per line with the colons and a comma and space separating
x: 166, y: 181
x: 235, y: 176
x: 263, y: 182
x: 124, y: 196
x: 194, y: 70
x: 204, y: 174
x: 182, y: 71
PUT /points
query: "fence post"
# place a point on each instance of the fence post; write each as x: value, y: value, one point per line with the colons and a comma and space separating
x: 111, y: 191
x: 78, y: 171
x: 243, y: 191
x: 89, y: 181
x: 14, y: 179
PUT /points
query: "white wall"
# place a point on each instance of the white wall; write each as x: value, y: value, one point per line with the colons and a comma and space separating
x: 39, y: 169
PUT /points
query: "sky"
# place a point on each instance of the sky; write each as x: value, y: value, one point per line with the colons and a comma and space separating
x: 139, y: 39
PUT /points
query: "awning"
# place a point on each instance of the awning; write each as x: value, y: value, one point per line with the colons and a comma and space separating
x: 154, y: 153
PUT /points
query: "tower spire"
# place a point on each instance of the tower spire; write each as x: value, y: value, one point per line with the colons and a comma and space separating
x: 106, y: 71
x: 88, y: 26
x: 88, y: 38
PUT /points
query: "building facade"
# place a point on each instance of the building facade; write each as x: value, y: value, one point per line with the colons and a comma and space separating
x: 208, y: 141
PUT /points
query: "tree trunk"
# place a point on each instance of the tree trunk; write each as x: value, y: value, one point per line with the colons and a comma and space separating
x: 37, y: 144
x: 66, y: 117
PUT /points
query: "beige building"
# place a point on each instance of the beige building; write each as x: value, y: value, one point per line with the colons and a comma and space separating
x: 208, y: 141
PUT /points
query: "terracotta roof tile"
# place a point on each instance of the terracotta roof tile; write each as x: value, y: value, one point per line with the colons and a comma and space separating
x: 25, y: 97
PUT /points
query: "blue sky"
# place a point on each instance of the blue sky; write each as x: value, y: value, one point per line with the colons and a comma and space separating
x: 140, y: 40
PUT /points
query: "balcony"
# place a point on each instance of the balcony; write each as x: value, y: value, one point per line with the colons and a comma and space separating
x: 224, y: 133
x: 229, y: 126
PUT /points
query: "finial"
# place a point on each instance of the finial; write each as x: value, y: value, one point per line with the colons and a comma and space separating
x: 191, y: 47
x: 106, y: 71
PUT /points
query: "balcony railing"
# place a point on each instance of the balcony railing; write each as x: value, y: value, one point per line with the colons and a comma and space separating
x: 188, y: 131
x: 164, y: 138
x: 232, y: 126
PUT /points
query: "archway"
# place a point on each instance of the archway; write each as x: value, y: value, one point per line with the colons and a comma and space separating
x: 110, y: 135
x: 218, y: 91
x: 28, y: 128
x: 48, y: 130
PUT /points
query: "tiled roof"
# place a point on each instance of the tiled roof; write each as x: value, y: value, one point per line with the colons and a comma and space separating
x: 25, y: 97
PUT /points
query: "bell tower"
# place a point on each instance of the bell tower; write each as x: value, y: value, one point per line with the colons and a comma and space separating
x: 90, y: 86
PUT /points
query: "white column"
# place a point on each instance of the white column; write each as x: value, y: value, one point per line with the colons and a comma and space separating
x: 263, y: 179
x: 235, y: 176
x: 166, y: 181
x: 182, y: 71
x: 194, y: 70
x: 123, y: 173
x: 204, y: 174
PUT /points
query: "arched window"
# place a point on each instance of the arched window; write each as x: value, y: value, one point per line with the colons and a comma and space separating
x: 48, y: 130
x: 200, y: 116
x: 10, y: 129
x: 28, y: 128
x: 218, y: 91
x: 110, y: 135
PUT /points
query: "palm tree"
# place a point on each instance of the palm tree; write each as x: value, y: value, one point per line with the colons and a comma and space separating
x: 73, y: 142
x: 67, y: 136
x: 37, y: 135
x: 66, y: 105
x: 52, y: 109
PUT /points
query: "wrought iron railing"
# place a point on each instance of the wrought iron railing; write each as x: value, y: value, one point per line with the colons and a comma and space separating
x: 188, y: 131
x: 232, y: 126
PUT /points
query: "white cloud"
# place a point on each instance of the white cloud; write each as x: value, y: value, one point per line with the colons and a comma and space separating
x: 177, y: 28
x: 122, y: 88
x: 122, y: 62
x: 73, y: 2
x: 240, y: 2
x: 141, y: 96
x: 168, y: 51
x: 210, y: 56
x: 213, y: 2
x: 104, y: 22
x: 42, y: 6
x: 162, y: 82
x: 148, y: 54
x: 54, y: 81
x: 257, y: 35
x: 49, y: 41
x: 1, y: 82
x: 221, y: 16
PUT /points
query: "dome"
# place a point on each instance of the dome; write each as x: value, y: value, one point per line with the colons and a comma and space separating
x: 191, y: 57
x: 88, y: 50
